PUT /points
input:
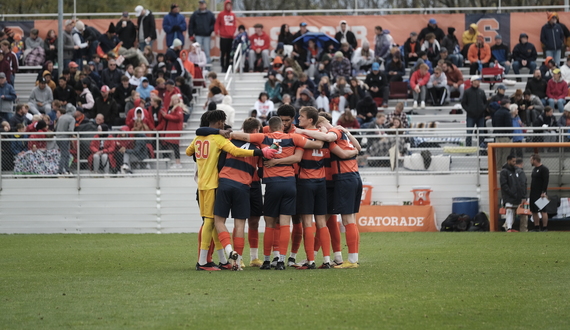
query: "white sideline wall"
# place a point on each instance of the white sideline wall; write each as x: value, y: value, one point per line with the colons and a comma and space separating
x: 130, y: 205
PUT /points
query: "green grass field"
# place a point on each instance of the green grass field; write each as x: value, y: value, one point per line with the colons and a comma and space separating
x: 405, y: 281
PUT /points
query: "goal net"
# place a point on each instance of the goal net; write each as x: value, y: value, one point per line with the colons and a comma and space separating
x: 554, y: 155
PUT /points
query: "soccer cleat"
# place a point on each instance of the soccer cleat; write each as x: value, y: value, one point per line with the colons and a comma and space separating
x: 512, y: 231
x: 226, y: 266
x: 237, y: 264
x: 308, y: 266
x: 206, y: 267
x: 291, y: 262
x: 337, y: 263
x: 241, y: 264
x: 347, y: 264
x: 233, y: 255
x: 544, y: 230
x: 274, y: 262
x: 266, y: 265
x: 280, y: 265
x: 256, y: 263
x: 325, y: 265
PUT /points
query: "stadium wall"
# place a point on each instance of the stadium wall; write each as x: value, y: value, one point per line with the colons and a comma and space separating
x: 134, y: 205
x: 508, y: 25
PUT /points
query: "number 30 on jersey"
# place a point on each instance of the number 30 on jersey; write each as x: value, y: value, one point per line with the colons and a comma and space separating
x: 202, y: 149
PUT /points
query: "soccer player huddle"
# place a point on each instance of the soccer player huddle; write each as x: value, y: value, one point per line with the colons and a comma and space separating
x: 310, y: 174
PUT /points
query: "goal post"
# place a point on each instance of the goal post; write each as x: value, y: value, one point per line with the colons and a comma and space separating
x: 553, y: 156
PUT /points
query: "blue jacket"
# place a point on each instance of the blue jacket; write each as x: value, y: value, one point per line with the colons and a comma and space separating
x: 201, y: 23
x: 552, y: 36
x: 7, y: 103
x: 516, y: 123
x: 525, y: 51
x: 174, y: 25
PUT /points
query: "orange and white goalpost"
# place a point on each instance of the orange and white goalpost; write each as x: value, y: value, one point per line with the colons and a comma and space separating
x: 554, y: 155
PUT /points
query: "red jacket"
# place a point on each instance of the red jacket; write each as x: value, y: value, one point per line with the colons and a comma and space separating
x: 173, y: 120
x: 556, y: 90
x: 167, y: 97
x: 147, y: 119
x: 226, y: 22
x: 259, y: 41
x: 418, y: 80
x: 108, y: 148
x: 35, y: 134
x: 5, y: 67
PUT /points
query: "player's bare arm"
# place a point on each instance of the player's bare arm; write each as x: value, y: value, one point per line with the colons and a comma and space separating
x: 327, y: 137
x: 295, y: 158
x: 344, y: 154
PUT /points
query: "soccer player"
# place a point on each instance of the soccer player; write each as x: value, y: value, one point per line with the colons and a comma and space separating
x: 280, y: 187
x: 207, y: 150
x: 255, y: 213
x: 347, y: 183
x: 233, y: 191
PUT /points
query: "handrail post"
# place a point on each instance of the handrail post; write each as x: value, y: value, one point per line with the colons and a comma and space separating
x: 478, y: 158
x: 78, y: 161
x: 397, y: 152
x: 1, y: 165
x: 157, y: 161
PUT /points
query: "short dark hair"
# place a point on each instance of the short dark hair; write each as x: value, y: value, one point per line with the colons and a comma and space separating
x: 536, y: 157
x: 124, y: 78
x: 261, y: 94
x: 510, y: 157
x: 421, y: 53
x: 311, y: 113
x: 212, y: 75
x: 180, y: 80
x: 519, y: 161
x: 250, y: 124
x: 275, y: 123
x: 204, y: 119
x: 527, y: 92
x: 258, y: 26
x: 216, y: 115
x: 547, y: 109
x: 448, y: 63
x: 286, y: 110
x: 378, y: 27
x: 327, y: 116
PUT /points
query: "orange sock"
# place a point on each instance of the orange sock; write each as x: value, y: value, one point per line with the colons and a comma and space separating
x: 253, y: 238
x: 296, y: 237
x: 284, y: 234
x: 239, y: 243
x: 276, y: 238
x: 268, y: 241
x: 352, y: 237
x: 309, y: 240
x: 334, y: 231
x: 317, y: 242
x: 225, y: 238
x: 325, y: 238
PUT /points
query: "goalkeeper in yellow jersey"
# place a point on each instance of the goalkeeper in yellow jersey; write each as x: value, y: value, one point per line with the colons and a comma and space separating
x: 207, y: 151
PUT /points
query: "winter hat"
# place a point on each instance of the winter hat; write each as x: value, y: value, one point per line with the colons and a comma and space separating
x: 443, y: 50
x: 277, y: 60
x: 551, y: 14
x: 80, y: 26
x: 111, y: 28
x: 176, y: 43
x: 375, y: 66
x: 138, y: 10
x: 432, y: 21
x: 338, y: 54
x: 450, y: 30
x: 556, y: 71
x: 170, y: 82
x: 502, y: 87
x: 73, y: 65
x: 523, y: 35
x: 326, y: 57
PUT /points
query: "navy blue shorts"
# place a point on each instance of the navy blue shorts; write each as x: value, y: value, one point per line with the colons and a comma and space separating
x: 347, y: 194
x: 232, y: 196
x: 280, y: 198
x: 255, y: 200
x: 311, y: 197
x: 330, y: 200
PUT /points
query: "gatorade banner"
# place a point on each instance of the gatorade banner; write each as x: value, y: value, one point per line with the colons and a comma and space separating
x: 409, y: 218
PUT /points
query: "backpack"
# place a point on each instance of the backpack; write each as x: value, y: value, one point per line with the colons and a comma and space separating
x: 462, y: 223
x: 479, y: 223
x: 455, y: 222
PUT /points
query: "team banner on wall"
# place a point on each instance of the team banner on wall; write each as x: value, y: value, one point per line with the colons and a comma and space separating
x: 490, y: 25
x: 19, y: 27
x: 388, y: 218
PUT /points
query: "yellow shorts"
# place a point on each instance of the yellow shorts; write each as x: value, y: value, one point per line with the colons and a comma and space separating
x: 207, y: 198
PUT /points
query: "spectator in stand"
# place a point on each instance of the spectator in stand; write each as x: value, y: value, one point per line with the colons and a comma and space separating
x: 172, y: 90
x: 305, y: 82
x: 437, y: 87
x: 474, y: 102
x: 146, y: 27
x: 111, y: 76
x: 108, y: 41
x: 33, y: 41
x: 340, y: 93
x: 304, y: 99
x: 82, y: 50
x: 198, y: 57
x: 49, y: 82
x: 226, y: 106
x: 285, y: 36
x: 537, y: 86
x: 185, y: 90
x: 362, y: 58
x: 50, y: 46
x: 418, y: 84
x: 126, y: 31
x: 432, y: 28
x: 240, y: 39
x: 518, y: 123
x: 102, y: 158
x: 122, y: 93
x: 345, y: 35
x: 479, y: 55
x: 201, y: 26
x: 502, y: 118
x: 556, y: 91
x: 290, y: 63
x: 451, y: 43
x: 565, y: 70
x: 73, y: 73
x: 85, y: 100
x: 411, y: 48
x: 500, y: 54
x: 432, y: 48
x: 324, y: 93
x: 290, y: 83
x: 65, y: 94
x: 532, y: 107
x: 312, y: 62
x: 358, y: 89
x: 299, y: 55
x: 382, y: 44
x: 9, y: 62
x: 65, y: 124
x: 273, y: 87
x: 347, y: 120
x: 7, y: 98
x: 136, y: 78
x: 259, y: 48
x: 302, y: 30
x: 546, y: 68
x: 174, y: 25
x: 366, y: 110
x: 20, y: 117
x: 214, y: 82
x: 552, y: 38
x: 139, y: 114
x: 263, y: 106
x: 41, y: 98
x: 378, y: 85
x: 400, y: 114
x: 524, y: 55
x: 226, y: 29
x: 564, y: 121
x: 548, y: 123
x: 340, y: 66
x: 469, y: 38
x: 422, y: 59
x: 107, y: 106
x: 395, y: 68
x: 172, y: 119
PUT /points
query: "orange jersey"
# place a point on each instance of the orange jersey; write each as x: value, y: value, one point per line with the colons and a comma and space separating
x: 240, y: 169
x: 340, y: 167
x: 287, y: 145
x: 312, y: 165
x: 291, y: 130
x: 327, y: 164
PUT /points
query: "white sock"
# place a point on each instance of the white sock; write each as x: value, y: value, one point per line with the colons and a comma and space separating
x: 282, y: 258
x: 311, y: 262
x: 266, y: 258
x: 253, y: 253
x: 293, y: 255
x: 338, y: 256
x: 327, y: 260
x: 222, y: 256
x: 315, y: 253
x: 228, y: 249
x: 276, y: 254
x: 203, y: 259
x: 353, y: 257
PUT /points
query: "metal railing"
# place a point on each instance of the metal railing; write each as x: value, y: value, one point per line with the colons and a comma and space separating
x: 232, y: 69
